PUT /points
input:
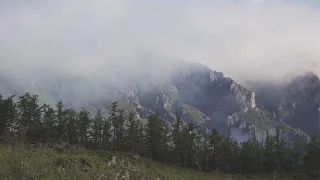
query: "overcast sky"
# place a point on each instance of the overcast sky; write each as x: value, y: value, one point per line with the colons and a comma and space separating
x: 242, y: 38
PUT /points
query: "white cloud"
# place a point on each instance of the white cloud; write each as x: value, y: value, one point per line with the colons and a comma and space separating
x: 257, y: 1
x: 239, y: 38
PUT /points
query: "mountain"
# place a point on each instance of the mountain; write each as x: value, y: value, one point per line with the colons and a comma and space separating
x: 295, y: 101
x: 201, y: 95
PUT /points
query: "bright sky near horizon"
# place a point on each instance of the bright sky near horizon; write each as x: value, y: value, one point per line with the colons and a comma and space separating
x: 243, y: 38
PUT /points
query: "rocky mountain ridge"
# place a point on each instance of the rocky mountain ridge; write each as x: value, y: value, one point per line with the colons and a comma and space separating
x: 295, y: 102
x: 201, y: 95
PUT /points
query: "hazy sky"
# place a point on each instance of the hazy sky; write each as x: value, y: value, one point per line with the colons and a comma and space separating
x: 242, y: 38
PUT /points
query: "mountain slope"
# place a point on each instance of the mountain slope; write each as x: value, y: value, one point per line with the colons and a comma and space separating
x: 296, y: 101
x: 203, y: 96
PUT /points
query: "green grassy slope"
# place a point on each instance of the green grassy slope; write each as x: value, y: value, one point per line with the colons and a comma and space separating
x: 72, y: 163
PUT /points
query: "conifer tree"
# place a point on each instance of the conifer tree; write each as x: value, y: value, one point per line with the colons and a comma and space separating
x: 120, y: 122
x: 30, y: 115
x: 269, y: 159
x: 229, y: 152
x: 203, y: 140
x: 7, y: 114
x: 142, y: 137
x: 132, y: 133
x: 106, y: 133
x: 255, y: 152
x: 166, y: 140
x: 250, y: 155
x: 296, y: 156
x: 155, y: 136
x: 200, y: 153
x: 311, y: 159
x: 3, y: 117
x: 48, y: 121
x: 61, y: 122
x: 113, y: 118
x: 97, y: 128
x: 72, y: 127
x: 279, y: 150
x: 84, y: 124
x: 215, y: 146
x: 177, y: 139
x: 189, y: 146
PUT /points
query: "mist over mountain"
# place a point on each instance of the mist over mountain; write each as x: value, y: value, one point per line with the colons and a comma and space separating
x: 202, y: 96
x: 148, y: 54
x: 244, y: 39
x: 295, y: 100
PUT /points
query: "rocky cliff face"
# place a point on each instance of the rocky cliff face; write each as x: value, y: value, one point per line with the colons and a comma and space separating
x: 201, y: 95
x: 296, y: 101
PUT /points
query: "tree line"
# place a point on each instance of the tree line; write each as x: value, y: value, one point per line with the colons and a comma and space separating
x: 182, y: 144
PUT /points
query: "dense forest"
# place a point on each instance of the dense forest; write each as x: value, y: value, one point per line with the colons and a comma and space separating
x: 24, y: 120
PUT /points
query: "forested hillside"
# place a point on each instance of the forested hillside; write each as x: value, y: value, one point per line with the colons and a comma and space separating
x: 24, y: 120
